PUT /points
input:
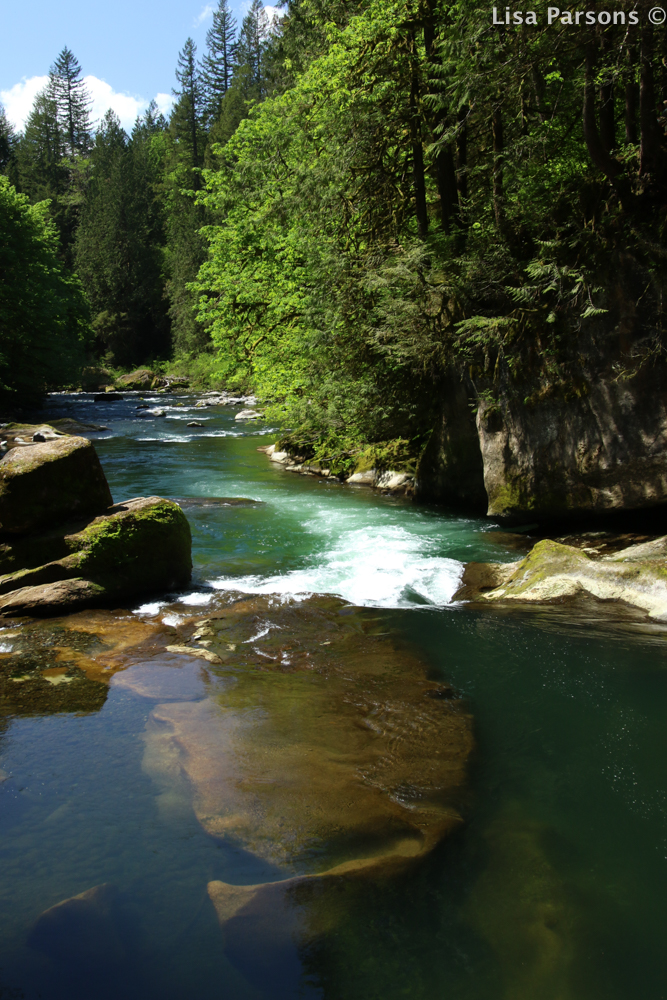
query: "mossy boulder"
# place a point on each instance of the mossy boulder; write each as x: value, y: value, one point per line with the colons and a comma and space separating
x: 142, y: 378
x: 50, y: 482
x: 553, y: 571
x: 140, y: 546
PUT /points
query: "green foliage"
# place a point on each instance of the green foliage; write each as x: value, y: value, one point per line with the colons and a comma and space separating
x: 44, y: 319
x: 422, y: 193
x: 119, y: 243
x: 373, y: 195
x: 7, y: 144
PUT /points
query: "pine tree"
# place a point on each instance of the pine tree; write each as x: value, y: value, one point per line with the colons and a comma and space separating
x: 188, y: 113
x: 119, y: 242
x: 41, y: 149
x: 251, y: 51
x: 72, y: 101
x: 218, y: 63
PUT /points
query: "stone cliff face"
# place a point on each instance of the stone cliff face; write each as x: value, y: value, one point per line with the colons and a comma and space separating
x: 602, y: 450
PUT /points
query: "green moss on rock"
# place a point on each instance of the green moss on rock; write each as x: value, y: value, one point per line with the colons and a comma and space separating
x: 49, y: 482
x: 141, y: 546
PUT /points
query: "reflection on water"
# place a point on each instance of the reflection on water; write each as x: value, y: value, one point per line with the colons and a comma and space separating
x: 246, y: 797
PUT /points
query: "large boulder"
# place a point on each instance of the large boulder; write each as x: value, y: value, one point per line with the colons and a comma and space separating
x: 139, y: 546
x: 142, y: 378
x: 605, y: 450
x: 553, y: 571
x: 49, y: 482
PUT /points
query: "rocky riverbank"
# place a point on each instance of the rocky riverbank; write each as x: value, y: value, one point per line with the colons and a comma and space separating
x: 387, y: 481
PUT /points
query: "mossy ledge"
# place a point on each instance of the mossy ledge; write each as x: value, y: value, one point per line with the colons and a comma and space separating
x: 136, y: 547
x: 552, y: 571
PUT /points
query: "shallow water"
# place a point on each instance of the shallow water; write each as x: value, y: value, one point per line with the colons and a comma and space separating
x: 555, y: 886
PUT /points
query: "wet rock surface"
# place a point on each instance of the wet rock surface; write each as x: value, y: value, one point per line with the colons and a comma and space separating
x: 635, y: 574
x: 387, y: 481
x: 85, y: 929
x: 139, y: 546
x: 50, y: 482
x: 318, y: 743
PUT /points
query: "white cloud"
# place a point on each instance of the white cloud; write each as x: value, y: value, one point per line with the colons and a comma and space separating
x: 274, y: 14
x: 18, y: 100
x: 164, y: 103
x: 104, y: 97
x: 203, y: 15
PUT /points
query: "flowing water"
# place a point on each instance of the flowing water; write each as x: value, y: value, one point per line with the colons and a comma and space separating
x: 553, y: 889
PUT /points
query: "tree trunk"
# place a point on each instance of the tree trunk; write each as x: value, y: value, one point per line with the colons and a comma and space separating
x: 417, y: 150
x: 631, y: 97
x: 446, y: 178
x: 596, y: 150
x: 649, y: 146
x: 607, y: 122
x: 462, y: 158
x: 498, y: 151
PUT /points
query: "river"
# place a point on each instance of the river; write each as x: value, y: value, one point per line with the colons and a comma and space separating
x: 555, y: 887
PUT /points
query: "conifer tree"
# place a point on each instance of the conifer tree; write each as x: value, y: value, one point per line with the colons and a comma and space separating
x: 188, y: 113
x: 41, y: 150
x: 218, y: 63
x: 251, y: 51
x: 119, y: 243
x: 72, y: 102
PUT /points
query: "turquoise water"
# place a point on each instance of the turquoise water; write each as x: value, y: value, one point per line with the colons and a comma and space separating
x: 555, y: 887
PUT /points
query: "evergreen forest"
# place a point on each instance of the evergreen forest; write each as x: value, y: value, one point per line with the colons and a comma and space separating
x: 346, y: 207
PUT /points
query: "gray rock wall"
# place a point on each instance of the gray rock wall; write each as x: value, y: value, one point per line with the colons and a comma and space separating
x: 603, y: 450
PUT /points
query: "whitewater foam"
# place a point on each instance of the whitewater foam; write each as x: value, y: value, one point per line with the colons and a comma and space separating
x: 386, y: 567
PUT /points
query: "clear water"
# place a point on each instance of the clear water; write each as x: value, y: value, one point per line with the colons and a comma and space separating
x: 554, y: 889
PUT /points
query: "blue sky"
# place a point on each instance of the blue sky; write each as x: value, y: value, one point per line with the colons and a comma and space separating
x: 127, y: 48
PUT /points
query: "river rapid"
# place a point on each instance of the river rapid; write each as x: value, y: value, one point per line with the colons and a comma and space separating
x: 554, y: 887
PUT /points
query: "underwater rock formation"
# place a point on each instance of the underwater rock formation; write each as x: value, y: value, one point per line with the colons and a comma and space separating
x: 320, y: 748
x: 307, y: 738
x: 83, y: 929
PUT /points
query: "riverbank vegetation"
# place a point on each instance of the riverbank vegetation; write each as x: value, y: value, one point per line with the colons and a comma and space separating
x: 350, y: 202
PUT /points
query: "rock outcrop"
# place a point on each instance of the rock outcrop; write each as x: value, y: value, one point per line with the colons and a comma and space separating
x: 142, y: 378
x: 551, y: 456
x: 552, y: 571
x: 388, y: 481
x: 139, y: 546
x: 64, y: 545
x: 50, y: 482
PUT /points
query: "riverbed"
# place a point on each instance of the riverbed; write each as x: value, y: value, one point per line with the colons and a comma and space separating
x: 554, y: 886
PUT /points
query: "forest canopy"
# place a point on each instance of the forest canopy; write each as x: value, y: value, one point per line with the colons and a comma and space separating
x: 351, y: 202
